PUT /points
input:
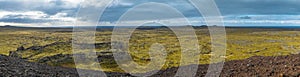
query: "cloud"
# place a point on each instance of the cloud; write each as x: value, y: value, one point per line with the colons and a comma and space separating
x: 47, y: 6
x: 62, y: 12
x: 35, y: 17
x: 262, y: 7
x: 270, y: 12
x: 45, y: 12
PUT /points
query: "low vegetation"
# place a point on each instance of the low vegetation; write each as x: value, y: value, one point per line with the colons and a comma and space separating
x: 54, y: 47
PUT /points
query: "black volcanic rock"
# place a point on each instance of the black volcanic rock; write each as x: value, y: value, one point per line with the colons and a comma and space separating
x: 21, y: 48
x: 10, y: 66
x: 257, y: 66
x: 16, y: 67
x: 280, y: 66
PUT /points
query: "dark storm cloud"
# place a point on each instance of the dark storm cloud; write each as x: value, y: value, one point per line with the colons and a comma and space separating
x: 260, y: 7
x: 228, y: 8
x: 49, y: 7
x: 20, y: 18
x: 114, y: 13
x: 24, y: 20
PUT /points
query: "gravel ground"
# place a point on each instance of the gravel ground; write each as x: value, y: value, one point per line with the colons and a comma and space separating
x: 15, y: 67
x: 280, y: 66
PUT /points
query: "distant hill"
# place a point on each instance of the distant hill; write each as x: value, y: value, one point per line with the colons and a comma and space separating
x: 8, y: 26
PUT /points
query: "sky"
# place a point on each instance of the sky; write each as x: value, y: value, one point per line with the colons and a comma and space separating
x: 50, y: 13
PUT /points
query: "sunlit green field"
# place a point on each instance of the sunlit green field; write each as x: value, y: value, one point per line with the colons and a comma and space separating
x: 53, y: 46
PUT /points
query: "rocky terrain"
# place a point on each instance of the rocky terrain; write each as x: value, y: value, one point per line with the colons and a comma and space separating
x: 281, y: 66
x: 16, y: 67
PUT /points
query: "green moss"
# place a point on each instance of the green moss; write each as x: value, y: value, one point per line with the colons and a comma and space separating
x: 241, y: 44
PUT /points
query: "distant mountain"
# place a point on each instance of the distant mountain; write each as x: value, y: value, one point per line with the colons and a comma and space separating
x: 8, y: 26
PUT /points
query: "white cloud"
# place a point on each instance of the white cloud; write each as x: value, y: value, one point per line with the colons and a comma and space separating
x: 106, y: 3
x: 95, y: 3
x: 15, y: 24
x: 20, y: 14
x: 34, y: 16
